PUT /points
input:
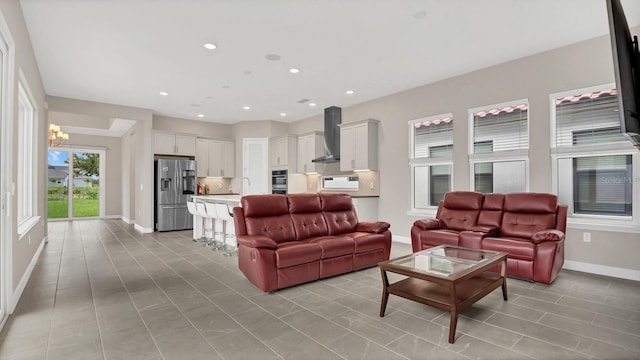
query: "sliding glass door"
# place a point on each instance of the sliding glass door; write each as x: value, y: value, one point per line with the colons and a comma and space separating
x: 74, y: 183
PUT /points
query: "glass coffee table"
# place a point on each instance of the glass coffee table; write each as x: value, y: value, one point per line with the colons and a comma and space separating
x: 447, y: 277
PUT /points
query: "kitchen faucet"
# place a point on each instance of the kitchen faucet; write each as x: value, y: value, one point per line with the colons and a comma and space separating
x: 242, y: 184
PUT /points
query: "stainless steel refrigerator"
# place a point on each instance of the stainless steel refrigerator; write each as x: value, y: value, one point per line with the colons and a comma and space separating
x: 175, y: 182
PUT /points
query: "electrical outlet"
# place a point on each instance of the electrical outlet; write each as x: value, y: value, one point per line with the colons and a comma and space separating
x: 371, y: 185
x: 220, y: 186
x: 586, y: 236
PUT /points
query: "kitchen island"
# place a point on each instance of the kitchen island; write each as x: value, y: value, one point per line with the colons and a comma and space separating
x: 231, y: 200
x: 213, y: 226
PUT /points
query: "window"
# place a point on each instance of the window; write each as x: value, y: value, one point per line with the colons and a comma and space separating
x: 430, y: 160
x: 27, y: 152
x: 594, y: 165
x: 499, y: 150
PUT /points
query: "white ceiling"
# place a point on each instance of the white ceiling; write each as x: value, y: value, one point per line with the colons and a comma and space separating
x: 127, y: 51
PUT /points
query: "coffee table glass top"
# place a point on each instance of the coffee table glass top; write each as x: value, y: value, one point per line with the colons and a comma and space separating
x: 444, y: 260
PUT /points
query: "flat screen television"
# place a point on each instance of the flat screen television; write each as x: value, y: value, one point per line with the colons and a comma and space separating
x: 626, y: 64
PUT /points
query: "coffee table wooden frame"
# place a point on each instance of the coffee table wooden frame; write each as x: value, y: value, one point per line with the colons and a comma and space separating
x: 453, y: 293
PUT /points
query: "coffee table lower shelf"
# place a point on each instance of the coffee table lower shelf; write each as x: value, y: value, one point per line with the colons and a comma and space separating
x: 454, y: 297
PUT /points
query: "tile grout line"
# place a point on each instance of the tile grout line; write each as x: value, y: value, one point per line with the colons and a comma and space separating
x: 55, y: 296
x: 128, y: 294
x: 174, y: 304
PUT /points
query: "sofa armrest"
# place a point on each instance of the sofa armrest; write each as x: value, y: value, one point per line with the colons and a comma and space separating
x: 376, y: 227
x: 547, y: 235
x: 428, y: 224
x: 257, y: 241
x: 484, y: 229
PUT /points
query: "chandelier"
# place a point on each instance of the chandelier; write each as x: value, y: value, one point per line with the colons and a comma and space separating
x: 56, y: 136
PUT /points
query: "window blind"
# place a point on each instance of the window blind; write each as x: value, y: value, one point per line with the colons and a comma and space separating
x: 507, y: 127
x: 590, y: 118
x: 602, y: 184
x: 438, y: 135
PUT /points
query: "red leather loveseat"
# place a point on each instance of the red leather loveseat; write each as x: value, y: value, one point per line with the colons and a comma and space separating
x: 530, y: 227
x: 288, y: 240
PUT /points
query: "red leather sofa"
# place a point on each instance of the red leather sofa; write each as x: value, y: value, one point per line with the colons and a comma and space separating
x: 530, y: 227
x: 289, y: 240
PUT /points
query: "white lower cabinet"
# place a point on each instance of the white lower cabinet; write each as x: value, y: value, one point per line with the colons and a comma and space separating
x: 366, y: 208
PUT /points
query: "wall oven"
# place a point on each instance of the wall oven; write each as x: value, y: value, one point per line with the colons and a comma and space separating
x: 279, y: 182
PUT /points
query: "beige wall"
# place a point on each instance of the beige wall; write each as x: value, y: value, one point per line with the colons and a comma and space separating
x: 20, y: 50
x: 536, y: 77
x: 199, y: 128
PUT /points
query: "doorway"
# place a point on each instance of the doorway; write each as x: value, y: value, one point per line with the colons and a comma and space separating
x: 75, y: 187
x: 255, y: 166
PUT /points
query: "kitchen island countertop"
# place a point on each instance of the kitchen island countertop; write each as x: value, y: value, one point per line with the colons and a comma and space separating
x: 229, y: 199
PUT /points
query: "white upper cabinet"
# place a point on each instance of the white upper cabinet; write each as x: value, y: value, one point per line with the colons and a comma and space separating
x: 310, y: 146
x: 359, y: 145
x: 283, y: 151
x: 215, y: 158
x: 174, y: 144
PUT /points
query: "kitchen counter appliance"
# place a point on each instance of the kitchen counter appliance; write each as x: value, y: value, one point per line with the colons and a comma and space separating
x: 279, y: 182
x: 175, y: 183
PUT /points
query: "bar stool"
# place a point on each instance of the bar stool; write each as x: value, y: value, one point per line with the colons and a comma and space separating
x: 217, y: 227
x: 208, y: 223
x: 229, y: 230
x: 197, y: 220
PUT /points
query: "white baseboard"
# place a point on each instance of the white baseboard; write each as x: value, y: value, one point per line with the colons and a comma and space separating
x: 109, y: 217
x: 15, y: 297
x: 602, y: 270
x: 141, y: 229
x: 128, y: 221
x: 401, y: 239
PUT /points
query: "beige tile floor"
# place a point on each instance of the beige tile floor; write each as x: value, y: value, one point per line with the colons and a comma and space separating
x: 101, y: 290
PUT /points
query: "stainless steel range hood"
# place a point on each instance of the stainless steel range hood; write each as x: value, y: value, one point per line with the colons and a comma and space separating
x: 332, y: 118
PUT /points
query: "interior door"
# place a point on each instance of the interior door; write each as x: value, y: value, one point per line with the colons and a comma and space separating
x: 255, y: 166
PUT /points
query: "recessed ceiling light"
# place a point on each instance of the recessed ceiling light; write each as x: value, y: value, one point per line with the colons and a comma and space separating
x: 225, y: 86
x: 283, y: 114
x: 294, y: 70
x: 350, y: 92
x: 200, y: 115
x: 246, y: 107
x: 272, y: 57
x: 210, y: 46
x: 248, y: 72
x: 164, y: 93
x: 195, y: 105
x: 312, y: 104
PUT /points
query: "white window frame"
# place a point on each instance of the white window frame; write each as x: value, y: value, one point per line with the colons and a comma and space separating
x: 500, y: 156
x: 425, y: 161
x: 27, y: 156
x: 627, y: 224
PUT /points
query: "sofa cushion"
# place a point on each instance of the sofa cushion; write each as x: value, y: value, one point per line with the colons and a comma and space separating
x: 440, y: 237
x: 458, y: 220
x: 279, y: 228
x: 532, y: 203
x: 264, y: 205
x: 463, y: 200
x: 296, y: 253
x: 460, y: 209
x: 517, y: 248
x: 304, y: 203
x: 491, y: 213
x: 333, y: 246
x: 523, y: 225
x: 365, y: 242
x: 339, y: 213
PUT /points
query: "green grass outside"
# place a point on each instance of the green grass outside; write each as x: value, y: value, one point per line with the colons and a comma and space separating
x: 81, y: 207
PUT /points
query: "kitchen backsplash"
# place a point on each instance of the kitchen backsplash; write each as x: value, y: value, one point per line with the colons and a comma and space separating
x: 368, y: 184
x: 216, y: 185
